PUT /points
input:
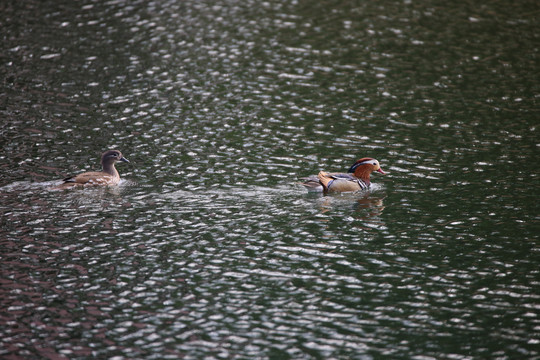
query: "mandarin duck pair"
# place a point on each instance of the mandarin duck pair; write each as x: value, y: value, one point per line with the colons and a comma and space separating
x: 357, y: 178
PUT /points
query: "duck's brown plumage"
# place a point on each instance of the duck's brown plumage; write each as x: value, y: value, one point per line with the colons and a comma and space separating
x: 357, y: 178
x: 108, y: 176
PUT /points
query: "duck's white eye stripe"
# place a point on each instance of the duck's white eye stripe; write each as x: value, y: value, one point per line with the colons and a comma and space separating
x: 372, y: 162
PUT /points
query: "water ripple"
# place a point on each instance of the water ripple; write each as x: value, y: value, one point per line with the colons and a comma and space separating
x: 209, y: 248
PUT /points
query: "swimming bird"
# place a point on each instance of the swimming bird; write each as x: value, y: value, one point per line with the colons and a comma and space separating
x: 107, y: 176
x: 357, y: 178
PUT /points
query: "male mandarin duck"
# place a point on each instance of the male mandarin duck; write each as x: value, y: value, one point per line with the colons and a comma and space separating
x: 108, y: 176
x: 341, y: 182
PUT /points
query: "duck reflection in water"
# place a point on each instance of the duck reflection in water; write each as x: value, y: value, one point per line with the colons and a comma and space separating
x: 370, y: 208
x: 365, y: 206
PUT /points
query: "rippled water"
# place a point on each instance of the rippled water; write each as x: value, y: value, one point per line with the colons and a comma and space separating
x: 210, y: 248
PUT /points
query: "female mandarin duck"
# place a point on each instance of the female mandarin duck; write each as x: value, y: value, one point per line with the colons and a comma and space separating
x: 108, y: 176
x: 341, y: 182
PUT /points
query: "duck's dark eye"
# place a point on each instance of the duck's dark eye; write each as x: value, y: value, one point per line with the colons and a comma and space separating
x: 374, y: 163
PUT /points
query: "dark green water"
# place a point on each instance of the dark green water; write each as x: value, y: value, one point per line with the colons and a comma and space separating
x: 210, y: 248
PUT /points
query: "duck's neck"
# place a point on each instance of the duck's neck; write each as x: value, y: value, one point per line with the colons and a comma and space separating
x: 110, y: 169
x: 363, y: 174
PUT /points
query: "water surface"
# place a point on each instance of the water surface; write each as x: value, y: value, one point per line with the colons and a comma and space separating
x: 210, y: 248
